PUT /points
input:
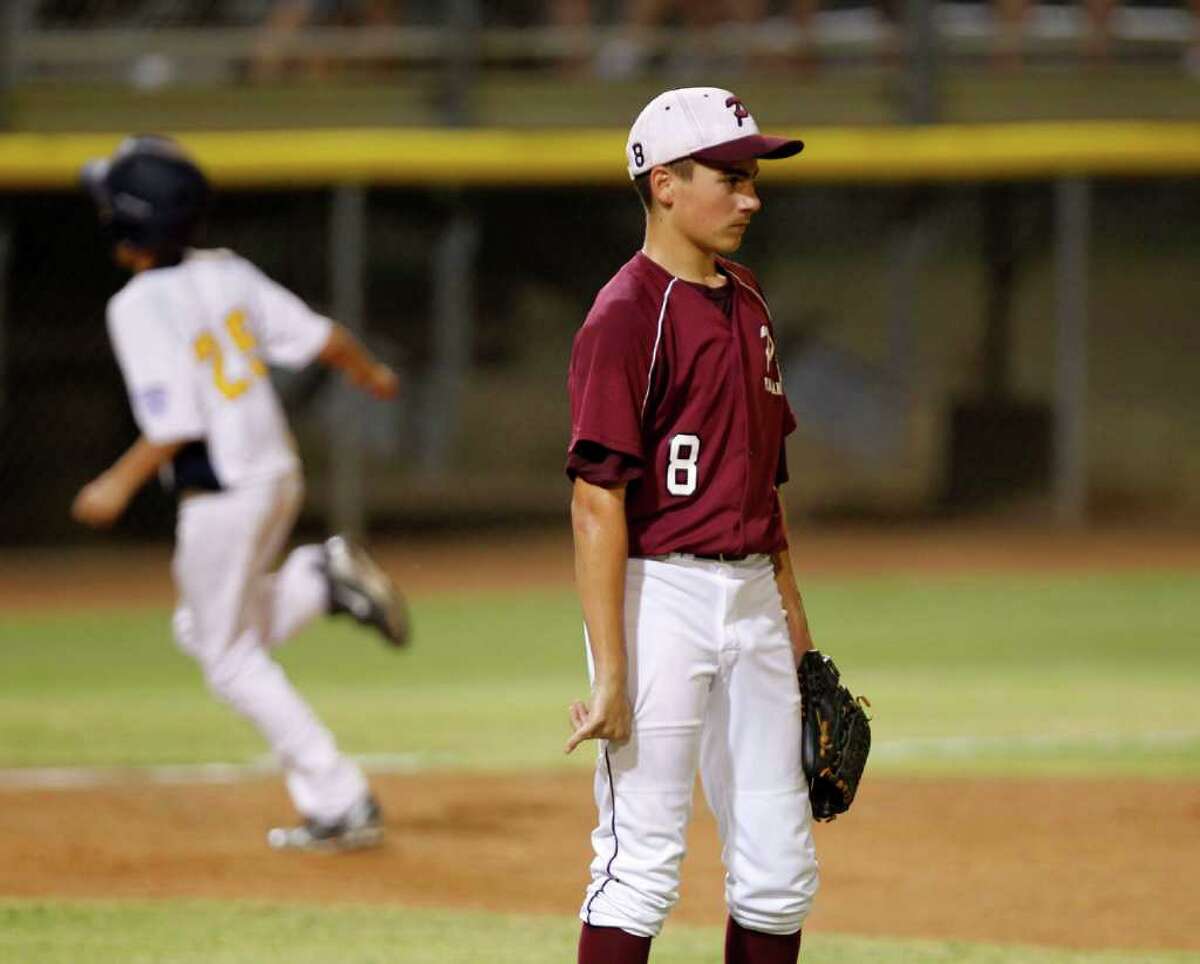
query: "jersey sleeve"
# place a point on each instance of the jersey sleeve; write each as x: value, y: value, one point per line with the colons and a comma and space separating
x: 607, y: 382
x: 158, y: 371
x: 600, y: 466
x: 290, y: 333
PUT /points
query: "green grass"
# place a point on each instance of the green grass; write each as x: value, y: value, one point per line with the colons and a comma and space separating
x: 983, y: 674
x: 111, y: 688
x: 224, y: 933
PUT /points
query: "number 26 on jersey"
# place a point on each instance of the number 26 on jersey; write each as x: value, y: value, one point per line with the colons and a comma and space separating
x: 682, y: 463
x: 208, y: 350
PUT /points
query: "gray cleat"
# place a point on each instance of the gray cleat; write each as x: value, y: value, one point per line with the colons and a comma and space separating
x: 360, y: 828
x: 359, y: 587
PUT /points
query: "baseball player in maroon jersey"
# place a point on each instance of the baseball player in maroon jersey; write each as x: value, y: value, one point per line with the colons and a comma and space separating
x: 694, y: 623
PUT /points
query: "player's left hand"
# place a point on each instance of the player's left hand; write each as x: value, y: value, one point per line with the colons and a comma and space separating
x: 100, y: 503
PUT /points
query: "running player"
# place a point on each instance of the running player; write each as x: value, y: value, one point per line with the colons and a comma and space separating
x: 193, y: 332
x: 693, y: 619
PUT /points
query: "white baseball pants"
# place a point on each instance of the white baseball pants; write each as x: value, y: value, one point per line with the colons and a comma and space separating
x: 713, y: 682
x: 232, y: 611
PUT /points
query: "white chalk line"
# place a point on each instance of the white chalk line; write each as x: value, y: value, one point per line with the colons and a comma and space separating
x: 67, y: 778
x: 952, y: 747
x: 966, y: 747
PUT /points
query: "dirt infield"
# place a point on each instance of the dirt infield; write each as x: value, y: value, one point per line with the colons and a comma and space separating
x: 139, y: 575
x: 1071, y: 863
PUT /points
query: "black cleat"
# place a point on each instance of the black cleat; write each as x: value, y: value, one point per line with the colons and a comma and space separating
x: 359, y: 587
x: 360, y: 828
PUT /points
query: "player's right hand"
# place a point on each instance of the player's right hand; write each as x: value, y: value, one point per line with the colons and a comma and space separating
x: 382, y: 383
x: 99, y: 503
x: 606, y: 716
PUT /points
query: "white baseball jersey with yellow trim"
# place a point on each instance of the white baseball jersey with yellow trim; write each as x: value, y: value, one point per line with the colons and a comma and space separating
x: 193, y: 342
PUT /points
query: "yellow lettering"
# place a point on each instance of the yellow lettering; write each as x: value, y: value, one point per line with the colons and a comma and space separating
x: 208, y: 349
x: 236, y: 324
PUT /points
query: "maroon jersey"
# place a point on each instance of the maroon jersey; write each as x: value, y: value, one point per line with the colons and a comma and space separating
x: 680, y: 396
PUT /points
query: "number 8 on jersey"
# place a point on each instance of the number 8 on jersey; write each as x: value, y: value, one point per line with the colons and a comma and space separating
x: 682, y: 464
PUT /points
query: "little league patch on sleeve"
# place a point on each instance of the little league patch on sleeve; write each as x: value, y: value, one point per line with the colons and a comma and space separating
x: 152, y: 400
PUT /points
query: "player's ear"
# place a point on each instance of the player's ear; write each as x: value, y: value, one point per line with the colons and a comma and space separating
x: 662, y: 185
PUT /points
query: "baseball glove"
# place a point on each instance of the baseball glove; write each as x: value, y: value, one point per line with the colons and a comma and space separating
x: 836, y: 737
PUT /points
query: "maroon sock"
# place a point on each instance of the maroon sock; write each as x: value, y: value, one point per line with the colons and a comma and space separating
x: 611, y: 945
x: 754, y: 947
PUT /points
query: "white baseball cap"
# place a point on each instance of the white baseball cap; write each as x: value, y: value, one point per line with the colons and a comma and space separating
x: 705, y: 123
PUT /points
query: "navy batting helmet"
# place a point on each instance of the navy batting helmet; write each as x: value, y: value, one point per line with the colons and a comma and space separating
x: 149, y: 193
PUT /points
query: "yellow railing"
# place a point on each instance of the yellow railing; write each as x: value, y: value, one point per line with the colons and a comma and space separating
x: 422, y: 157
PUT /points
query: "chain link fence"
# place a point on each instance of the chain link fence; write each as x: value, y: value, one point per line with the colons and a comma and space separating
x: 914, y: 396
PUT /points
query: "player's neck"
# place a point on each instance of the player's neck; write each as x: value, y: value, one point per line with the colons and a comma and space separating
x: 137, y: 260
x: 140, y: 262
x: 680, y: 256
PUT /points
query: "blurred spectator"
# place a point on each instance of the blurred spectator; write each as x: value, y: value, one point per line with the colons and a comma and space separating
x: 797, y: 50
x: 1096, y: 41
x: 575, y: 17
x: 1009, y: 42
x: 100, y: 13
x: 1191, y: 57
x: 287, y: 17
x: 633, y: 48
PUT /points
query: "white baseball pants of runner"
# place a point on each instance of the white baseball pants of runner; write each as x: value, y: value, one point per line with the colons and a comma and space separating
x: 712, y: 679
x: 232, y: 611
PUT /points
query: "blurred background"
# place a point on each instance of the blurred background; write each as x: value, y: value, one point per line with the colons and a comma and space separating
x: 983, y: 275
x: 965, y: 333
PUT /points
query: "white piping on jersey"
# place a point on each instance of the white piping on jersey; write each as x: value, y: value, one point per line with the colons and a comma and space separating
x: 767, y: 308
x: 760, y: 298
x: 662, y: 313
